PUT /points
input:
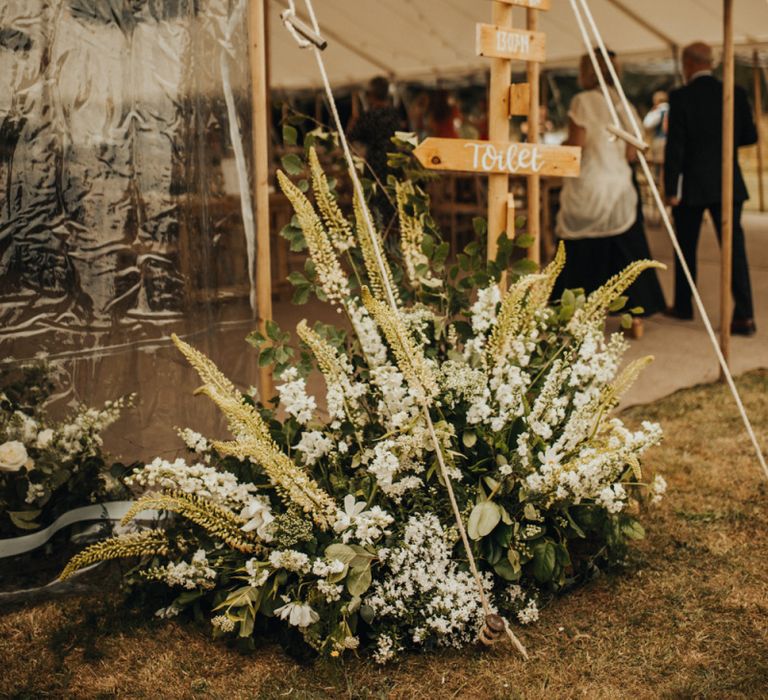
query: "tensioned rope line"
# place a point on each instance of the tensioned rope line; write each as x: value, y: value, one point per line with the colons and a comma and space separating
x: 632, y: 121
x: 492, y: 620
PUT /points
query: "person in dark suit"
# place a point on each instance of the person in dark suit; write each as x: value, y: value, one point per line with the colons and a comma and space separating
x: 692, y: 177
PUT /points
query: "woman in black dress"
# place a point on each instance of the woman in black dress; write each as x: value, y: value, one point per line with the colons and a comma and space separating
x: 600, y: 218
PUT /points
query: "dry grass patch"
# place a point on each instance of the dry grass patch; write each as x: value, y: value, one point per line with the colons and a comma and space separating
x: 686, y: 619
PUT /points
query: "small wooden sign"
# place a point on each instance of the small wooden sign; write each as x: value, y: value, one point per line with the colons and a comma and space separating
x: 535, y: 4
x: 503, y: 42
x: 502, y: 158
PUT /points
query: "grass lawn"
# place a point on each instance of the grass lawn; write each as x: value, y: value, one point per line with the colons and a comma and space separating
x: 689, y: 617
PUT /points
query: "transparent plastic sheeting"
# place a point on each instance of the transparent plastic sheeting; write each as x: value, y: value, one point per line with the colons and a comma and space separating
x: 120, y: 214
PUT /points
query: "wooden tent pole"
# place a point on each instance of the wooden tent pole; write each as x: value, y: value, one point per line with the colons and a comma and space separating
x: 726, y: 271
x: 534, y: 181
x: 758, y: 86
x: 257, y: 54
x: 498, y: 130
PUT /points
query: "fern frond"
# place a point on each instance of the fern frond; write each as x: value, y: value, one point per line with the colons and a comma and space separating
x: 511, y: 318
x: 242, y: 417
x: 253, y: 441
x: 328, y: 359
x: 409, y: 356
x: 330, y: 274
x: 540, y: 293
x: 616, y: 389
x: 339, y: 229
x: 377, y: 280
x: 134, y: 544
x: 412, y: 239
x: 291, y: 482
x: 601, y: 299
x: 218, y: 521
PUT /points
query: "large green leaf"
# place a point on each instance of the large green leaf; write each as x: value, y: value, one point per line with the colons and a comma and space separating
x: 544, y: 558
x: 633, y: 530
x: 292, y: 164
x: 484, y: 517
x: 504, y: 569
x: 359, y: 580
x: 353, y: 555
x: 24, y: 519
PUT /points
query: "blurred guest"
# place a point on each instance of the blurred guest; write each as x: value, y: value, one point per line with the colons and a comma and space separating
x: 600, y: 218
x: 417, y: 113
x: 443, y: 116
x: 374, y: 128
x: 692, y: 177
x: 656, y: 124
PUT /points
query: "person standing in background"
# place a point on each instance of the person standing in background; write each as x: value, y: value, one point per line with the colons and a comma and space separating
x: 692, y: 177
x: 600, y: 218
x: 656, y: 124
x: 374, y: 128
x: 443, y: 119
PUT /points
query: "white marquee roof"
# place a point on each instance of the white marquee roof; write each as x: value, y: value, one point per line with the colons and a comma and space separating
x: 417, y: 39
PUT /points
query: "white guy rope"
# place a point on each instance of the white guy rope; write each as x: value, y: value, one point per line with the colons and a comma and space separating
x: 630, y: 117
x: 393, y: 304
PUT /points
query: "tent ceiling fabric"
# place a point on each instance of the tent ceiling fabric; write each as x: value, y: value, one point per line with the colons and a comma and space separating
x: 418, y: 39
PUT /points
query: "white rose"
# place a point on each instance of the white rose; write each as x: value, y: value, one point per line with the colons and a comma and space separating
x: 13, y: 456
x: 44, y: 438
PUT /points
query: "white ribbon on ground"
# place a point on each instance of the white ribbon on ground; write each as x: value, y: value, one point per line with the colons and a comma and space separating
x: 113, y: 510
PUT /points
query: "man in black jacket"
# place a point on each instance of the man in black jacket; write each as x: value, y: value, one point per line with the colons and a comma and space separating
x: 692, y: 176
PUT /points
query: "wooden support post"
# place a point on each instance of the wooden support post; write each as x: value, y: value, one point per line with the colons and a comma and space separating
x: 498, y: 130
x: 757, y: 80
x: 726, y: 258
x: 510, y: 216
x: 534, y: 180
x: 257, y: 35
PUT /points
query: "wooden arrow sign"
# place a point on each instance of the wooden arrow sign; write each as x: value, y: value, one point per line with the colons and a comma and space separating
x: 502, y: 158
x: 535, y: 4
x: 502, y: 42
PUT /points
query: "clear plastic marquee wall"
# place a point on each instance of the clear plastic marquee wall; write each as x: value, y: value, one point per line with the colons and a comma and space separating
x: 120, y: 216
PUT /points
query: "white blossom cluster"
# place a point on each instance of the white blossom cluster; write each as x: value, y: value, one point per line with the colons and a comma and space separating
x: 290, y: 560
x: 357, y: 523
x: 296, y: 613
x: 77, y: 438
x: 257, y: 573
x: 371, y: 343
x: 195, y: 574
x: 194, y: 441
x: 258, y: 517
x: 423, y: 592
x: 399, y: 404
x: 592, y: 473
x: 197, y: 479
x: 658, y: 488
x: 313, y: 445
x: 82, y: 435
x: 294, y: 397
x: 343, y: 401
x: 527, y: 609
x: 484, y: 309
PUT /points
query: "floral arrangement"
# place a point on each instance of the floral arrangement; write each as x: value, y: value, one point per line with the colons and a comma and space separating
x: 335, y: 519
x: 48, y: 467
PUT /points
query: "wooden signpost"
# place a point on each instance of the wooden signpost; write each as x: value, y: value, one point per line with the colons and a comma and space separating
x: 499, y: 157
x: 501, y: 42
